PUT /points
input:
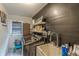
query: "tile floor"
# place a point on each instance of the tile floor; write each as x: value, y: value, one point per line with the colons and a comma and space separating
x: 11, y: 52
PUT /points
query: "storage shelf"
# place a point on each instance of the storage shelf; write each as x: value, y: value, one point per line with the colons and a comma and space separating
x: 41, y: 23
x: 38, y: 32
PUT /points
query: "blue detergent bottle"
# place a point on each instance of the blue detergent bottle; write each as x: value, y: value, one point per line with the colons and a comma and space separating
x: 65, y: 50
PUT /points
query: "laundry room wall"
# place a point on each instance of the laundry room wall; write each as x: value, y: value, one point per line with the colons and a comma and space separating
x: 3, y: 33
x: 62, y: 18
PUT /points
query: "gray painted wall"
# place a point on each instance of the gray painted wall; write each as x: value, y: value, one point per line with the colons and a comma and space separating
x: 64, y: 19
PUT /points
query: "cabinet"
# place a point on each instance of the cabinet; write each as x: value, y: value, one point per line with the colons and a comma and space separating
x: 26, y: 31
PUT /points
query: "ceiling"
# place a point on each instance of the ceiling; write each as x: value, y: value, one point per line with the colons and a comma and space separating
x: 23, y: 9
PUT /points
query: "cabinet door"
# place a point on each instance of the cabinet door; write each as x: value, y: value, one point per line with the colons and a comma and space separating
x: 26, y: 29
x: 26, y: 50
